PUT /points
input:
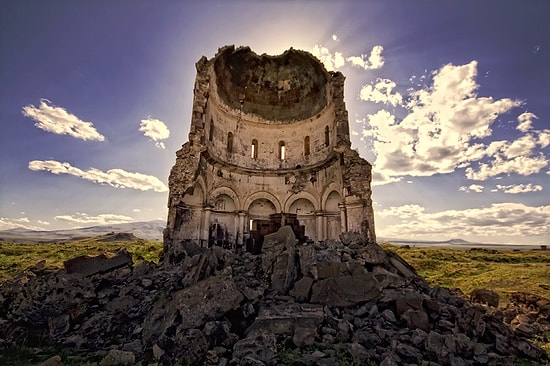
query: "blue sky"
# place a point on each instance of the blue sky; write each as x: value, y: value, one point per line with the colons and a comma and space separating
x: 447, y: 99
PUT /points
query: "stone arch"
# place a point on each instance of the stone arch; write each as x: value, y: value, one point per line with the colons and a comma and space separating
x: 194, y: 196
x: 332, y: 187
x: 261, y: 208
x: 301, y: 206
x: 265, y: 195
x: 301, y: 214
x: 229, y: 192
x: 333, y: 219
x: 333, y: 199
x: 302, y: 195
x: 224, y: 203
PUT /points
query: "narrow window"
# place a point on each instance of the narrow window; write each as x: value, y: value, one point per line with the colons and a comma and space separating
x: 211, y: 131
x: 254, y: 149
x: 229, y: 142
x: 282, y: 153
x: 327, y: 136
x: 306, y: 146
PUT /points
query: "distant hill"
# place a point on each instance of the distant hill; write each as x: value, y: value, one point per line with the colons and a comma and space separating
x: 149, y: 230
x: 426, y: 242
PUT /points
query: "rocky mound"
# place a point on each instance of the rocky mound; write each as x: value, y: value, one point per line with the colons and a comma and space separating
x: 114, y: 236
x: 313, y: 304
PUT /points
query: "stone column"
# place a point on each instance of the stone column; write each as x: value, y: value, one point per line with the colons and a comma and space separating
x: 206, y: 225
x: 320, y: 225
x: 343, y: 218
x: 241, y: 229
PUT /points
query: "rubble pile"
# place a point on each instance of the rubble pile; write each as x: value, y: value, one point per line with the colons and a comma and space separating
x: 311, y: 304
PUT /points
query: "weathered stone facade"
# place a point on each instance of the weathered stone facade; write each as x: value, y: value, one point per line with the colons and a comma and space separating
x: 268, y: 146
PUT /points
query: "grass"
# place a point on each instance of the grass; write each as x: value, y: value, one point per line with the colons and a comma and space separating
x: 16, y: 257
x: 504, y: 272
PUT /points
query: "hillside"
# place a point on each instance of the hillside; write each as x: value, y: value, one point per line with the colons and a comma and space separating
x: 148, y: 230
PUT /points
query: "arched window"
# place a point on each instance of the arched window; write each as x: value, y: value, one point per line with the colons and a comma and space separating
x: 282, y: 152
x: 211, y: 131
x: 306, y: 146
x: 254, y: 149
x: 230, y: 142
x: 327, y: 136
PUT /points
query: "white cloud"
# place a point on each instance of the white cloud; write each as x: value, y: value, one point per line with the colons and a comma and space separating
x: 156, y: 130
x: 472, y: 188
x: 333, y: 61
x: 525, y: 121
x: 83, y: 219
x: 7, y: 223
x: 442, y: 128
x: 496, y: 222
x: 374, y: 60
x: 59, y: 121
x: 381, y: 92
x: 405, y: 211
x: 335, y: 38
x: 544, y: 138
x: 521, y: 165
x: 519, y: 188
x: 117, y: 178
x: 136, y: 210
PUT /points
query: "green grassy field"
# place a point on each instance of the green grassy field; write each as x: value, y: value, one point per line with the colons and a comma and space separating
x: 16, y: 257
x: 505, y: 271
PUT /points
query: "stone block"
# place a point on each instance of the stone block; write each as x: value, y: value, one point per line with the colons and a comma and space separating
x: 302, y: 289
x: 345, y: 290
x: 88, y: 266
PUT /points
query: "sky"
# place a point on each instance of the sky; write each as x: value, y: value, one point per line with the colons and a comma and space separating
x: 449, y: 100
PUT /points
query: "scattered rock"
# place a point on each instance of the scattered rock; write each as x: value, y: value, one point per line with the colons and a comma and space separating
x: 484, y: 296
x: 87, y: 265
x: 52, y: 361
x: 118, y: 358
x: 313, y: 303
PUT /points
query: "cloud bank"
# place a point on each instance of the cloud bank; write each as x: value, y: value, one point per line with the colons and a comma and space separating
x: 518, y: 188
x: 444, y: 128
x: 7, y: 223
x: 156, y: 130
x: 58, y: 120
x: 496, y: 221
x: 83, y: 219
x: 117, y: 178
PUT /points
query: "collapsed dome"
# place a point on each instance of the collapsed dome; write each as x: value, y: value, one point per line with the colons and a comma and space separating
x: 291, y: 86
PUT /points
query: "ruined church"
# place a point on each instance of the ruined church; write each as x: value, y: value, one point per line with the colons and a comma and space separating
x: 268, y: 146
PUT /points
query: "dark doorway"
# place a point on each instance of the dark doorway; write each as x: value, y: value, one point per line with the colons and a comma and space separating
x: 259, y: 228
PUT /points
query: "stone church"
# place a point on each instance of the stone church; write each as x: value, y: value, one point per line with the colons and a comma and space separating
x: 268, y: 146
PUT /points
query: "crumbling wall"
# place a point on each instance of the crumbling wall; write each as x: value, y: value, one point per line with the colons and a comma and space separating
x: 357, y: 182
x: 271, y: 128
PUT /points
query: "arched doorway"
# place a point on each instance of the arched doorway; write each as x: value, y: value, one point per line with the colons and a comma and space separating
x: 332, y: 212
x: 304, y: 212
x: 259, y: 224
x: 221, y: 231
